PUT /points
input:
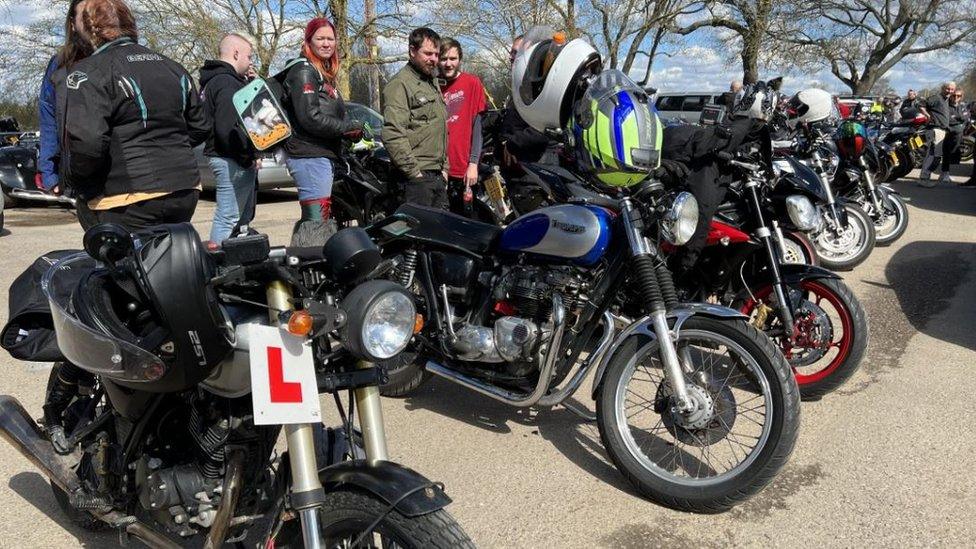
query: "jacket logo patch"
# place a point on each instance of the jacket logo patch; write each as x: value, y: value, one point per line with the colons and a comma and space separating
x: 308, y: 88
x: 143, y: 57
x: 75, y: 79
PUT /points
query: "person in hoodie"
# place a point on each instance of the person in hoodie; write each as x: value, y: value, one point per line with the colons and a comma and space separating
x: 229, y: 151
x: 132, y: 118
x: 319, y: 123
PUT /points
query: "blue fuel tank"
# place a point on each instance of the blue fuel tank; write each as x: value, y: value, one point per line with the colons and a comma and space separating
x: 570, y: 233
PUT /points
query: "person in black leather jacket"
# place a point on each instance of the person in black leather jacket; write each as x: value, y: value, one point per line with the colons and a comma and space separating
x: 131, y: 120
x: 319, y: 123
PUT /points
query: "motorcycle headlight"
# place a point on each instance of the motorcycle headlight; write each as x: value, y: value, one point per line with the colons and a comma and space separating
x: 380, y: 320
x: 679, y: 224
x: 802, y: 212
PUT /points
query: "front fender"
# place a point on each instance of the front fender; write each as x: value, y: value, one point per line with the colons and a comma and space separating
x: 408, y: 491
x: 792, y: 273
x: 644, y: 325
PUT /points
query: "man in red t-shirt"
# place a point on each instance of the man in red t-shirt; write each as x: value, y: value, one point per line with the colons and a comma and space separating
x: 464, y: 96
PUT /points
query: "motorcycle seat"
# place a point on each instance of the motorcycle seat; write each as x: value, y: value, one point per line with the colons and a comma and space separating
x: 454, y: 230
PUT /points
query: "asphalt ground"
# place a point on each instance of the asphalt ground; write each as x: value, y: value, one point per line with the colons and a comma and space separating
x: 884, y: 462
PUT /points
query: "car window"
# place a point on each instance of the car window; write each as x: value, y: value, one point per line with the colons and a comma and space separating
x: 694, y: 103
x: 669, y: 103
x: 362, y: 113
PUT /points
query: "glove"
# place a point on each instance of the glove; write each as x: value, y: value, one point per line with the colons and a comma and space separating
x: 671, y: 172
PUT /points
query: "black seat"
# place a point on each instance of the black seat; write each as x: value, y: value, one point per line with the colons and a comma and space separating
x: 441, y: 226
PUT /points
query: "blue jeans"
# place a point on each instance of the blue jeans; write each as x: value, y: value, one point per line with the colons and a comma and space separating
x: 236, y: 196
x: 313, y: 177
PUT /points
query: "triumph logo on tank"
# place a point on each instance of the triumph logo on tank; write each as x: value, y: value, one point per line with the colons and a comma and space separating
x: 568, y: 227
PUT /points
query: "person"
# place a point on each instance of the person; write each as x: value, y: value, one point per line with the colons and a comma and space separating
x: 910, y: 106
x: 464, y: 98
x: 319, y: 123
x: 229, y: 151
x: 936, y: 108
x: 415, y: 122
x: 132, y: 118
x: 958, y: 119
x: 51, y: 106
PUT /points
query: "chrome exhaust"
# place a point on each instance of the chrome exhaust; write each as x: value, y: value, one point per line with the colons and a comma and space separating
x: 22, y: 432
x: 558, y: 396
x: 514, y: 398
x: 41, y: 197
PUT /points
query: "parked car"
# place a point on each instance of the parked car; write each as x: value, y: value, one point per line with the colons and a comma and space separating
x: 272, y: 173
x: 685, y: 106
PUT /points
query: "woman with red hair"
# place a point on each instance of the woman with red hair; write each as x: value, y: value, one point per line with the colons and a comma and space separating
x: 319, y: 123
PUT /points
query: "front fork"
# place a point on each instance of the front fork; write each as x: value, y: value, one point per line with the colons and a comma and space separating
x: 641, y: 247
x: 832, y: 205
x: 307, y: 493
x: 871, y: 189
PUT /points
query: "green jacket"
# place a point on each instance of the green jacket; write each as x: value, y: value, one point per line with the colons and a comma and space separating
x: 415, y: 122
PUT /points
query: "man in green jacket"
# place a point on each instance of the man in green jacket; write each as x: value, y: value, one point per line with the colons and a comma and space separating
x: 415, y: 122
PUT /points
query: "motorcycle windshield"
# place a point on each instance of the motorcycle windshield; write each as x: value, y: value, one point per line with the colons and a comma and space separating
x: 88, y: 347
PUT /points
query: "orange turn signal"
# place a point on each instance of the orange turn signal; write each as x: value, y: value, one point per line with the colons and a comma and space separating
x: 418, y: 323
x: 300, y: 323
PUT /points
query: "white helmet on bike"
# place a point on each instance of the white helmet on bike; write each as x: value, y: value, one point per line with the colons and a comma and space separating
x: 546, y: 75
x: 809, y: 106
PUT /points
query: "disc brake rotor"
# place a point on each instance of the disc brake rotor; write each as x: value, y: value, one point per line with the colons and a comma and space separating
x: 813, y: 335
x: 710, y: 422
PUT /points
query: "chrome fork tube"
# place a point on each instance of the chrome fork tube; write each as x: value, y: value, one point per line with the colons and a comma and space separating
x: 371, y: 419
x: 872, y: 190
x: 306, y: 489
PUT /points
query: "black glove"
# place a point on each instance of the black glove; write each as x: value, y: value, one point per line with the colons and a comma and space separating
x: 672, y: 173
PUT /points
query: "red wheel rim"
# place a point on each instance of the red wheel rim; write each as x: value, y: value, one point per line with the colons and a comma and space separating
x: 820, y: 293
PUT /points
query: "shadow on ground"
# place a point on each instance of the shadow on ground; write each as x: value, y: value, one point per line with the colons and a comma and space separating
x: 35, y: 490
x: 944, y: 197
x: 924, y: 277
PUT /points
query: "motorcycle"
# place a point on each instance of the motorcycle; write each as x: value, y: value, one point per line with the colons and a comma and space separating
x: 968, y: 144
x: 173, y: 455
x: 854, y: 180
x: 905, y: 144
x: 523, y: 314
x: 813, y: 316
x: 847, y: 236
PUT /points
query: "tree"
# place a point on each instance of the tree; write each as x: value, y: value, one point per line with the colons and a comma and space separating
x: 748, y: 23
x: 863, y: 39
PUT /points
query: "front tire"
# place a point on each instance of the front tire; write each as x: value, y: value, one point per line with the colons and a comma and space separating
x: 757, y: 371
x: 890, y: 226
x: 345, y: 514
x: 847, y: 247
x: 799, y: 249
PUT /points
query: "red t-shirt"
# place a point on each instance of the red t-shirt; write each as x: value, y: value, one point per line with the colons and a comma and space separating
x: 465, y: 99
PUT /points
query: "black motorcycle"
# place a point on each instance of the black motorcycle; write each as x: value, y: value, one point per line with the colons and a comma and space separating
x: 524, y: 314
x: 168, y: 414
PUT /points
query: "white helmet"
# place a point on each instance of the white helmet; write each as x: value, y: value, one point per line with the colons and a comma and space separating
x: 545, y: 76
x: 809, y: 106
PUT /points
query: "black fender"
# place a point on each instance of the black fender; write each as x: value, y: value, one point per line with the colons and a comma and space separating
x: 411, y: 493
x: 645, y: 325
x: 792, y: 273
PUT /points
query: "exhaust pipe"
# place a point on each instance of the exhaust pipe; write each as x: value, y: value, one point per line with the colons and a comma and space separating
x: 23, y: 433
x: 41, y: 197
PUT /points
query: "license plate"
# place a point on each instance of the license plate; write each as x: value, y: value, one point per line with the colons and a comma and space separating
x: 283, y: 385
x: 894, y: 158
x: 494, y: 188
x: 916, y: 142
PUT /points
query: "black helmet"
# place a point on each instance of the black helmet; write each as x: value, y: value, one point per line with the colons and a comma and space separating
x: 164, y: 327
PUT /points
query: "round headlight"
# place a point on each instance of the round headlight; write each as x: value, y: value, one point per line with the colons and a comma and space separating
x: 388, y: 326
x: 380, y: 316
x: 679, y: 224
x: 802, y: 212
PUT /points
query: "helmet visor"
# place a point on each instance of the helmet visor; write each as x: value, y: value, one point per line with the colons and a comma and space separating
x: 88, y: 347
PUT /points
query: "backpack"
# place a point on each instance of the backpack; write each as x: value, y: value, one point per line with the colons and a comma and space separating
x: 259, y: 107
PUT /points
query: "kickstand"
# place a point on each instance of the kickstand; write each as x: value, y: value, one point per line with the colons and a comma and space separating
x: 583, y: 413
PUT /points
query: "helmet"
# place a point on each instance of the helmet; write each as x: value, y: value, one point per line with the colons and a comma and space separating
x: 809, y: 105
x: 756, y: 101
x: 546, y: 74
x: 151, y: 321
x: 851, y: 139
x: 616, y: 131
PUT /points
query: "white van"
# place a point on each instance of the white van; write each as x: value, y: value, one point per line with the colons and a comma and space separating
x: 685, y: 106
